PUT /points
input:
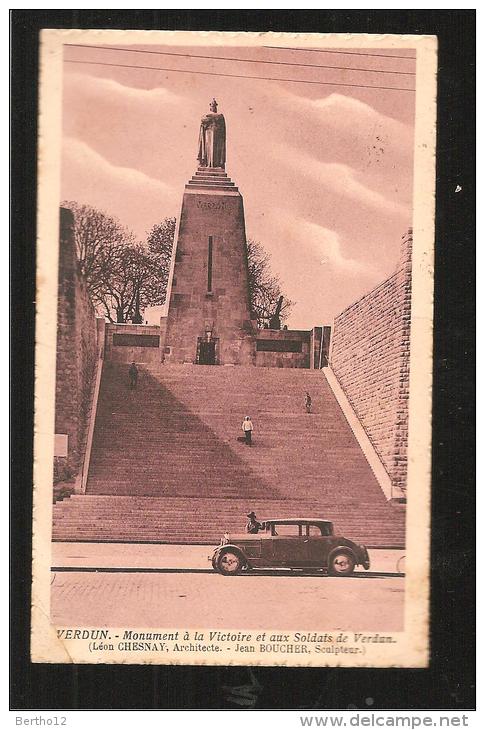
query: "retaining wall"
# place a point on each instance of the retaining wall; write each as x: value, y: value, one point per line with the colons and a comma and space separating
x: 370, y: 358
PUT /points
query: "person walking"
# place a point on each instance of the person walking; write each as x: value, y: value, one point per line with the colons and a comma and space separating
x: 133, y: 374
x: 308, y: 403
x: 247, y: 428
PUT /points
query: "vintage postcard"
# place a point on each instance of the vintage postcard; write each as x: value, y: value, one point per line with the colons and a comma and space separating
x: 234, y: 348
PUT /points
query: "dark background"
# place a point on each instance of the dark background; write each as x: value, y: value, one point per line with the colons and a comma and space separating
x: 449, y: 681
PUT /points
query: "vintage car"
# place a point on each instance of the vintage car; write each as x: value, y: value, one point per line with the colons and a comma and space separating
x: 305, y: 544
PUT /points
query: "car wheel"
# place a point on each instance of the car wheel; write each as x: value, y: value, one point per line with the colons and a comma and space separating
x: 341, y: 563
x: 229, y: 563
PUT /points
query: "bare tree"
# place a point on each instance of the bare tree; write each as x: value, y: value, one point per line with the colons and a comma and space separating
x: 99, y: 237
x: 160, y: 241
x: 132, y: 283
x: 122, y: 275
x: 264, y: 286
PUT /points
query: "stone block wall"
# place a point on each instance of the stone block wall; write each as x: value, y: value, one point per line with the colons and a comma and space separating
x: 77, y: 354
x: 370, y: 358
x: 283, y: 348
x: 133, y: 342
x: 209, y: 287
x: 320, y: 346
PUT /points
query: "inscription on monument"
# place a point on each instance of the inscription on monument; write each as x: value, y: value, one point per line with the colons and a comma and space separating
x: 211, y: 204
x: 131, y: 340
x: 278, y: 345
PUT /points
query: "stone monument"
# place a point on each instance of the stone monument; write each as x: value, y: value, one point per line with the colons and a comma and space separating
x: 209, y: 318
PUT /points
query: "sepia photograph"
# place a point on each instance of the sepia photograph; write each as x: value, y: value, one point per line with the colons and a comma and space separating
x: 234, y: 348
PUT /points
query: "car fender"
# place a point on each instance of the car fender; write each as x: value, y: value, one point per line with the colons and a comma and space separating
x: 343, y: 549
x: 365, y: 559
x: 215, y: 555
x: 224, y: 548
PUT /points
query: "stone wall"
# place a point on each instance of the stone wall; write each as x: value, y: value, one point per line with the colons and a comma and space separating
x: 283, y: 348
x: 320, y: 347
x: 133, y: 342
x: 370, y: 358
x: 77, y: 354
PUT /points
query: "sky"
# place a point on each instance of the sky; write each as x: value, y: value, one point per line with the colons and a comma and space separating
x: 325, y: 169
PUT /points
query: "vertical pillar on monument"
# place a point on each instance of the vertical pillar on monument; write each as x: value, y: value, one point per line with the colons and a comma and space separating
x: 209, y: 313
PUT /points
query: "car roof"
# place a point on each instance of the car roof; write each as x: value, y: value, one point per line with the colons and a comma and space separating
x: 298, y: 520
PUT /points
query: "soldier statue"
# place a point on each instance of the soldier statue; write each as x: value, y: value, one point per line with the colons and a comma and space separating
x: 212, y: 139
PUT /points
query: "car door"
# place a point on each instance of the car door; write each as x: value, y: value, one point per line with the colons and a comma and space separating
x: 266, y: 558
x: 289, y: 544
x: 316, y: 545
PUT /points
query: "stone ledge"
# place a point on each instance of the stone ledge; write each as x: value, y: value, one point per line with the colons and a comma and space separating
x: 368, y: 449
x: 212, y: 190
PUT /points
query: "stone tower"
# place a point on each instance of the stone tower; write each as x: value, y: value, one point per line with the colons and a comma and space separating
x: 209, y: 318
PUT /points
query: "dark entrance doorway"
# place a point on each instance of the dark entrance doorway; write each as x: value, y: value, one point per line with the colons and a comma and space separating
x: 206, y: 351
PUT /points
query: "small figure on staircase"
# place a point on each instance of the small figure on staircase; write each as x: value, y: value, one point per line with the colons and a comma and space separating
x: 133, y: 374
x: 252, y: 525
x: 308, y: 403
x: 247, y: 428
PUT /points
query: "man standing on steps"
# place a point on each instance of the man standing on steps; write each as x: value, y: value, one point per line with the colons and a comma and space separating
x: 247, y: 428
x: 308, y: 403
x: 133, y: 373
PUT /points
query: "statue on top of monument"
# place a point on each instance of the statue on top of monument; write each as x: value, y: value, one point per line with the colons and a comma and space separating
x: 212, y: 139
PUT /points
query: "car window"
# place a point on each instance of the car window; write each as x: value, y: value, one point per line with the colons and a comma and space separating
x: 314, y: 531
x: 287, y: 530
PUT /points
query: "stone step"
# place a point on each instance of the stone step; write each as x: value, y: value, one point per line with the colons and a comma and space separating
x: 138, y: 515
x: 165, y: 458
x: 216, y: 183
x: 171, y: 505
x: 182, y: 527
x: 97, y: 513
x: 197, y: 529
x: 211, y: 171
x: 210, y: 186
x: 191, y: 520
x: 208, y: 176
x: 195, y: 534
x: 168, y: 503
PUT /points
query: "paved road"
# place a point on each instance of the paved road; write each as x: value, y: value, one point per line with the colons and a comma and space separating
x: 142, y: 555
x: 199, y: 597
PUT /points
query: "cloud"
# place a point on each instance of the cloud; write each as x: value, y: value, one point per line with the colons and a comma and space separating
x: 351, y: 113
x: 326, y: 245
x: 348, y: 114
x: 101, y: 86
x: 328, y: 206
x: 338, y: 178
x: 134, y: 128
x: 79, y: 154
x: 344, y: 180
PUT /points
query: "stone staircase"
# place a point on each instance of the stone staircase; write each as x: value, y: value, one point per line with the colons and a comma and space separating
x: 211, y: 178
x: 166, y: 465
